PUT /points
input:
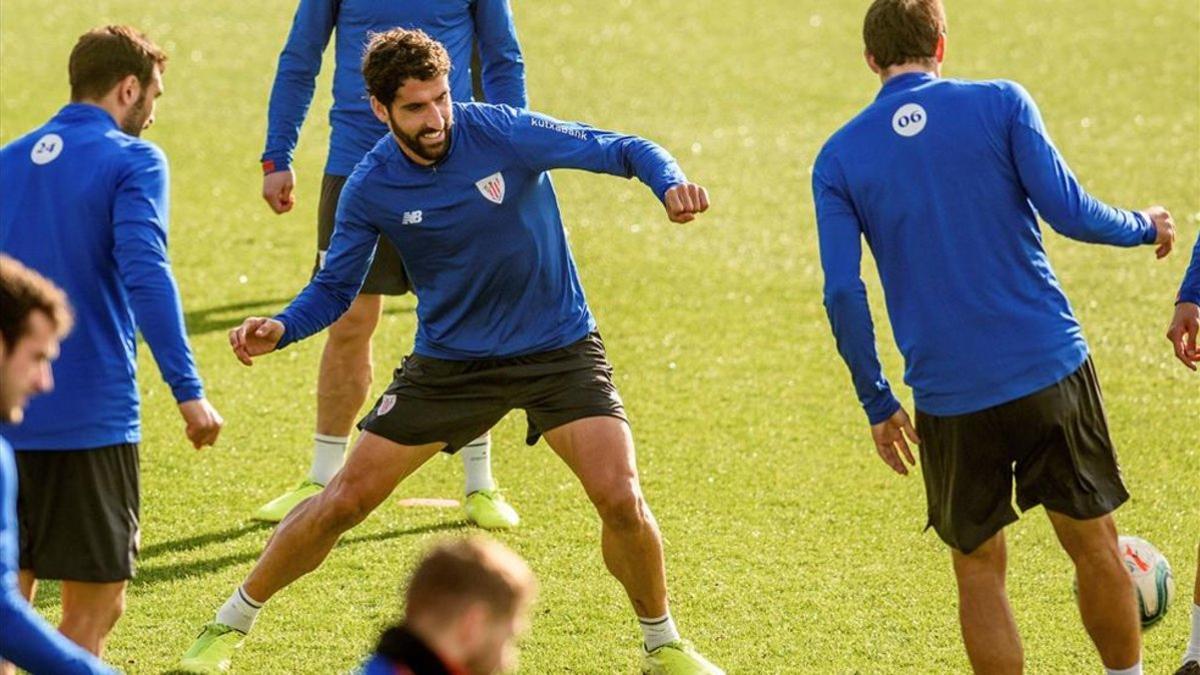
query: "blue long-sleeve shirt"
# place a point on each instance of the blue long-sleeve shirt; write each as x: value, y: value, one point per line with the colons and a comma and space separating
x: 1190, y: 290
x: 479, y: 232
x: 86, y: 206
x: 945, y: 179
x: 25, y: 638
x: 354, y: 128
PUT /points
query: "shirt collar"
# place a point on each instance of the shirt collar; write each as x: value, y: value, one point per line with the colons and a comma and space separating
x: 85, y: 112
x: 904, y: 82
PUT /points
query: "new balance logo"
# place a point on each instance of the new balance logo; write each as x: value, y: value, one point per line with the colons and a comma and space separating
x: 411, y: 218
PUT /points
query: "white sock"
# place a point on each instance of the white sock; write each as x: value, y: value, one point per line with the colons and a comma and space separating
x: 1193, y: 649
x: 239, y: 611
x: 328, y: 454
x: 1135, y: 669
x: 658, y: 631
x: 477, y: 464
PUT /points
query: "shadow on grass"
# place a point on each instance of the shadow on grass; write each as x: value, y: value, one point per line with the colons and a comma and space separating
x: 225, y: 317
x: 153, y: 574
x: 189, y: 543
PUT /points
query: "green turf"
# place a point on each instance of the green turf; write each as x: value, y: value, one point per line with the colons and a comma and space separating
x: 790, y: 547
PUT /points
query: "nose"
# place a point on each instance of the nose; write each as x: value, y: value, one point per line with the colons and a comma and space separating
x: 435, y: 120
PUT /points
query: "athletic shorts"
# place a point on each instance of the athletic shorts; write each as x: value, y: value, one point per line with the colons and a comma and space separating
x: 454, y: 402
x: 77, y: 511
x: 1053, y: 444
x: 387, y: 275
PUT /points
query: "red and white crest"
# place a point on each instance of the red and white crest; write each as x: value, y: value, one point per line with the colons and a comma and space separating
x: 492, y: 187
x: 386, y: 403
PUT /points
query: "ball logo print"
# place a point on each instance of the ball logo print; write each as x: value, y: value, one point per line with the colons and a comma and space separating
x: 46, y: 149
x: 909, y: 120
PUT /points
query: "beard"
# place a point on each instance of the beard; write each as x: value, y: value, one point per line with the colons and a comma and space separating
x: 414, y: 143
x: 135, y: 119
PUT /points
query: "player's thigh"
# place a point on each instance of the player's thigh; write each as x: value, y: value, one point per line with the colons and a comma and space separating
x: 87, y: 602
x: 28, y: 584
x: 375, y: 466
x: 599, y: 451
x: 360, y: 320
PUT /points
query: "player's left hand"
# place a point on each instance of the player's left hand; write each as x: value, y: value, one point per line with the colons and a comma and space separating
x: 684, y: 201
x: 1164, y: 230
x: 889, y: 436
x: 1183, y: 331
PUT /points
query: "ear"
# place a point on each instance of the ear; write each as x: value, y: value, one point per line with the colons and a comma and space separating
x: 939, y: 52
x: 871, y: 62
x: 128, y: 90
x: 380, y: 110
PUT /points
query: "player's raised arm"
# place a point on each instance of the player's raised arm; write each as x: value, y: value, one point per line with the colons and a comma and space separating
x: 545, y: 143
x: 500, y: 56
x: 1063, y: 202
x: 295, y: 80
x: 330, y: 292
x: 840, y: 236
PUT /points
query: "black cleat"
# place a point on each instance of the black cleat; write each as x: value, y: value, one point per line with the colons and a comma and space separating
x: 1189, y: 668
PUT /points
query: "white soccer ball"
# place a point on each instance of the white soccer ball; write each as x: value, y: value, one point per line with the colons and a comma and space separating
x: 1152, y: 578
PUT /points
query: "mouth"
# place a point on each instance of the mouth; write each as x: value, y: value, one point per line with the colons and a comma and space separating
x: 433, y: 137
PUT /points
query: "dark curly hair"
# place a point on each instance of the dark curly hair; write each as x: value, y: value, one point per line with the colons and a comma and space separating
x: 398, y: 55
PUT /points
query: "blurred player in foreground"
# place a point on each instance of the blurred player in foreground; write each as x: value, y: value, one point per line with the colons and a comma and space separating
x: 466, y: 604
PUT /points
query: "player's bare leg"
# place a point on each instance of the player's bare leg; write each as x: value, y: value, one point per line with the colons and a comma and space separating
x: 344, y: 377
x: 89, y: 612
x: 302, y: 541
x: 599, y: 450
x: 1107, y: 602
x: 988, y: 628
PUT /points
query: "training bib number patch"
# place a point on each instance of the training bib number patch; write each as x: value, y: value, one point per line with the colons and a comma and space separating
x: 46, y: 149
x: 909, y: 120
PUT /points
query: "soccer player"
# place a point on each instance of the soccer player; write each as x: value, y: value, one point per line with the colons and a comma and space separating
x: 945, y: 179
x: 463, y: 193
x: 33, y: 318
x: 85, y: 204
x: 466, y: 604
x: 1183, y: 331
x: 344, y: 376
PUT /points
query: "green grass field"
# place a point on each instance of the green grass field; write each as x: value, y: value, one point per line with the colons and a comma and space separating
x: 790, y: 546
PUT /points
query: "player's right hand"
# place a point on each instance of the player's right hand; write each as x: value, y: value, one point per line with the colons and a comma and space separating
x: 684, y: 201
x: 1183, y: 332
x: 203, y: 422
x: 889, y: 436
x: 277, y: 190
x: 255, y: 337
x: 1164, y: 227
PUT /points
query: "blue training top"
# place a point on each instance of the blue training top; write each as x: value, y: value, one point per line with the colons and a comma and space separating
x: 1190, y: 290
x: 86, y: 206
x: 479, y: 232
x: 454, y: 23
x: 25, y: 638
x: 942, y: 177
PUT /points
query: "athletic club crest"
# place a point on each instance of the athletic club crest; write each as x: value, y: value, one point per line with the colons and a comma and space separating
x: 492, y: 187
x: 386, y: 403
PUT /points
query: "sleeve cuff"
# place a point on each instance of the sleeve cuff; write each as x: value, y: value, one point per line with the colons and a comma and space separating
x: 1191, y: 295
x: 881, y: 412
x: 275, y: 163
x: 287, y: 333
x: 189, y: 391
x: 1151, y: 233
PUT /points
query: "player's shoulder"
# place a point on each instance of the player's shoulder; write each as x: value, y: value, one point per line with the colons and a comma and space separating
x: 487, y: 116
x: 134, y: 151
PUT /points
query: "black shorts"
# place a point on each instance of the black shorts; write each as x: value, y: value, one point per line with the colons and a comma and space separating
x: 78, y: 513
x: 387, y: 275
x: 1053, y: 443
x: 454, y: 402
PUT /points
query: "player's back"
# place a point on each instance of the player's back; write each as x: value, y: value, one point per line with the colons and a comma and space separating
x: 976, y: 309
x: 58, y: 217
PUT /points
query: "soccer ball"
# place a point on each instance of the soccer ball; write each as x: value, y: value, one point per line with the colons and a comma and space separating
x: 1151, y: 577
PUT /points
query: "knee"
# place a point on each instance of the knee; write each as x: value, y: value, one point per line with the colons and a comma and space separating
x: 341, y: 508
x: 355, y: 327
x: 622, y: 507
x: 988, y: 560
x: 91, y: 624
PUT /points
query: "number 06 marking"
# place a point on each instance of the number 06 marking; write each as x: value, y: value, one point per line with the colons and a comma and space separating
x: 909, y: 120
